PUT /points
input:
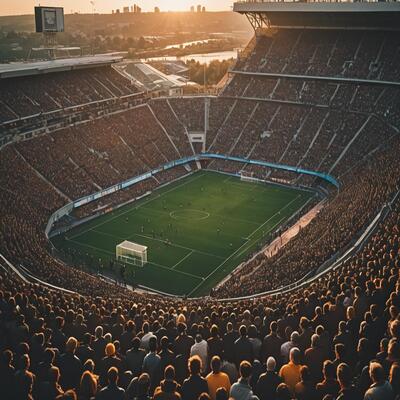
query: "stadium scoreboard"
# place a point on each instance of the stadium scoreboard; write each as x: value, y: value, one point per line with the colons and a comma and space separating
x: 49, y: 19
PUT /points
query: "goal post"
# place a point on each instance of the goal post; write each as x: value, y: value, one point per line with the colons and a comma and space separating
x: 249, y: 176
x: 131, y: 253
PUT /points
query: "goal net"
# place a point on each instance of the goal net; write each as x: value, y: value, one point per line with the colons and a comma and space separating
x: 247, y: 176
x: 131, y: 253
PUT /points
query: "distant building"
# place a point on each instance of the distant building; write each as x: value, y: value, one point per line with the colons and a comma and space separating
x: 203, y: 9
x: 126, y: 10
x: 156, y: 9
x: 192, y: 9
x: 117, y: 11
x: 199, y: 8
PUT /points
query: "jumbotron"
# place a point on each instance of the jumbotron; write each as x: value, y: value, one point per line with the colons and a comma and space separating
x: 244, y: 245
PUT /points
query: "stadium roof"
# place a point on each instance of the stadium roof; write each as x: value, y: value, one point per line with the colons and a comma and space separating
x: 17, y: 69
x: 148, y: 77
x: 322, y: 14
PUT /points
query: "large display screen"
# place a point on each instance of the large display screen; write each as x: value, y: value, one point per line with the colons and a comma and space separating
x: 49, y: 19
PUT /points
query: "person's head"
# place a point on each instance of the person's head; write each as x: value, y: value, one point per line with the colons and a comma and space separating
x: 243, y: 330
x: 376, y: 372
x: 329, y: 369
x: 89, y: 365
x: 344, y: 375
x: 7, y: 357
x: 283, y: 392
x: 153, y: 344
x: 194, y: 365
x: 48, y: 356
x: 135, y: 343
x: 340, y: 351
x: 164, y: 343
x: 169, y: 373
x: 314, y: 341
x: 394, y: 376
x: 68, y: 395
x: 88, y: 385
x: 294, y: 337
x: 204, y: 396
x: 273, y: 326
x: 199, y: 338
x: 110, y: 350
x: 221, y: 394
x: 181, y: 328
x: 229, y: 327
x: 25, y: 362
x: 214, y: 331
x: 98, y: 332
x: 245, y: 369
x: 305, y: 373
x: 384, y: 344
x: 216, y: 364
x: 71, y: 345
x: 143, y: 386
x: 271, y: 364
x: 294, y: 355
x: 54, y: 374
x: 112, y: 376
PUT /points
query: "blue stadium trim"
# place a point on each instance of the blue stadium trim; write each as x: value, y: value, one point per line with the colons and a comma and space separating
x: 203, y: 156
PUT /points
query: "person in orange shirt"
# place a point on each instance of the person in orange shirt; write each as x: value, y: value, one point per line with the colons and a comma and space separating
x: 290, y: 372
x: 217, y: 379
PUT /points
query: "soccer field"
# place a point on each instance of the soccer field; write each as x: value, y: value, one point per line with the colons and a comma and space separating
x: 212, y: 222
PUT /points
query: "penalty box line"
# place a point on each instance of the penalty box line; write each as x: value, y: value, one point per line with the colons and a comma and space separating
x: 150, y: 262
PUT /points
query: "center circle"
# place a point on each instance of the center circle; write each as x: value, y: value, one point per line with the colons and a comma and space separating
x: 189, y: 214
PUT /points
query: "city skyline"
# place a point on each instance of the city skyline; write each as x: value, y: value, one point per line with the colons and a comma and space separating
x: 11, y: 7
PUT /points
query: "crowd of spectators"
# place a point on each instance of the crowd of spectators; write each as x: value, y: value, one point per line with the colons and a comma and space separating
x: 25, y: 96
x: 337, y: 339
x: 343, y: 53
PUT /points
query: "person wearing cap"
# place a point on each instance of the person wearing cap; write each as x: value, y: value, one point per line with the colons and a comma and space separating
x: 110, y: 360
x: 268, y: 381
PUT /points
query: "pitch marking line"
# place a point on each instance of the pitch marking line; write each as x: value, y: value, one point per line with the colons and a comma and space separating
x: 225, y: 261
x: 184, y: 258
x: 177, y: 245
x: 140, y: 205
x: 150, y: 262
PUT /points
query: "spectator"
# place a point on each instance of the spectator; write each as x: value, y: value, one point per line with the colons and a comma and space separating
x: 268, y: 382
x: 112, y: 391
x: 380, y: 389
x: 243, y: 347
x: 290, y: 373
x: 194, y: 385
x: 241, y: 390
x: 217, y: 379
x: 169, y: 389
x: 70, y: 366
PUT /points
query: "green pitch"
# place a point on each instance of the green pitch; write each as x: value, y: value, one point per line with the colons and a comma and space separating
x: 197, y: 230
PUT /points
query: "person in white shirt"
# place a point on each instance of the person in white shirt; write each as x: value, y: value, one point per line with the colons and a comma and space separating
x: 200, y: 348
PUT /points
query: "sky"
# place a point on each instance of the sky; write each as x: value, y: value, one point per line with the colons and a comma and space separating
x: 13, y: 7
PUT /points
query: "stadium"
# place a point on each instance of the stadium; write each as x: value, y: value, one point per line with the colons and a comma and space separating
x: 169, y: 246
